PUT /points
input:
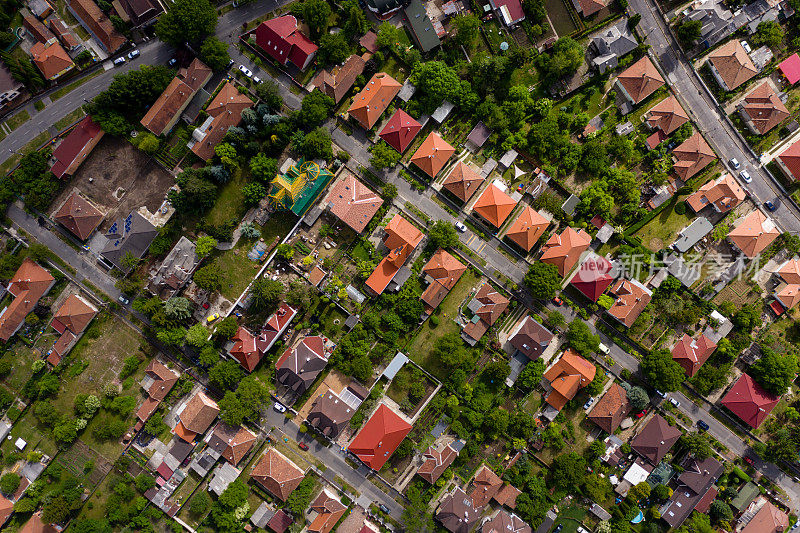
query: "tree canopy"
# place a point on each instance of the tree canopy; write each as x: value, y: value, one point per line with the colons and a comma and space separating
x: 662, y: 371
x: 543, y: 280
x: 187, y: 21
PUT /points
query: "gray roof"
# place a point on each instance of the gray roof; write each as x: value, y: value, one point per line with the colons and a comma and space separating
x: 692, y: 234
x: 612, y: 43
x: 224, y: 475
x: 442, y: 112
x: 133, y: 234
x: 384, y: 6
x: 176, y: 267
x: 760, y: 57
x: 421, y: 26
x: 395, y: 365
x: 508, y: 158
x: 570, y: 204
x: 479, y: 134
x: 686, y: 273
x: 407, y: 91
x: 262, y: 515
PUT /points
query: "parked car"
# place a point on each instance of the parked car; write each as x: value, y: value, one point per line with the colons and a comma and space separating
x: 644, y: 412
x: 734, y: 163
x: 246, y: 71
x: 674, y: 402
x: 749, y: 460
x: 212, y: 318
x: 279, y: 407
x: 558, y: 301
x: 746, y: 46
x: 602, y: 348
x: 134, y: 54
x: 172, y: 62
x: 256, y: 79
x: 702, y: 425
x: 460, y: 227
x: 796, y: 525
x: 119, y: 61
x: 205, y: 305
x: 123, y: 300
x: 230, y: 63
x: 588, y: 403
x: 745, y: 175
x: 772, y: 205
x: 558, y: 528
x: 302, y: 446
x: 521, y: 187
x: 383, y: 508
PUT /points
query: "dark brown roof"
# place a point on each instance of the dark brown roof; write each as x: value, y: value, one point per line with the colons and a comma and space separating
x: 505, y: 522
x: 232, y: 442
x: 298, y: 367
x: 163, y: 380
x: 435, y: 461
x: 655, y: 440
x: 330, y: 414
x: 611, y: 409
x: 99, y: 24
x: 277, y: 474
x: 456, y: 512
x: 531, y: 339
x: 336, y: 82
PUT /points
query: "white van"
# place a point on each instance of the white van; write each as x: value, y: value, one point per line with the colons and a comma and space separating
x: 602, y: 348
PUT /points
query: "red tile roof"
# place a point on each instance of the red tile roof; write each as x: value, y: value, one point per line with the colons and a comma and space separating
x: 79, y: 216
x: 369, y: 104
x: 564, y: 250
x: 197, y: 415
x: 593, y: 277
x: 175, y: 98
x: 52, y: 60
x: 281, y: 39
x: 486, y: 484
x: 764, y: 108
x: 753, y: 233
x: 571, y: 373
x: 691, y: 353
x: 445, y: 270
x: 6, y: 508
x: 432, y: 154
x: 462, y: 181
x: 76, y: 147
x: 401, y: 239
x: 590, y: 7
x: 768, y: 519
x: 276, y: 473
x: 353, y: 202
x: 435, y: 461
x: 329, y: 510
x: 640, y: 80
x: 163, y: 380
x: 749, y: 401
x: 248, y: 349
x: 29, y: 283
x: 226, y: 111
x: 527, y: 228
x: 379, y: 437
x: 667, y: 115
x: 724, y: 193
x: 692, y: 156
x: 791, y: 159
x: 98, y: 23
x: 336, y: 82
x: 494, y: 205
x: 74, y: 314
x: 400, y: 130
x: 732, y: 63
x: 631, y: 297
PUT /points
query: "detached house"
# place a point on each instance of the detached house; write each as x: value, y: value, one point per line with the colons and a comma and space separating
x: 248, y: 349
x: 29, y: 284
x: 486, y: 307
x: 299, y: 366
x: 352, y: 202
x: 442, y: 273
x: 565, y: 250
x: 231, y: 442
x: 325, y: 512
x: 639, y: 81
x: 631, y: 297
x: 97, y: 24
x: 593, y: 277
x: 157, y: 382
x: 75, y: 148
x: 696, y: 480
x: 569, y: 374
x: 730, y: 65
x: 526, y: 230
x: 432, y: 155
x: 224, y: 111
x: 723, y: 193
x: 277, y: 474
x: 380, y: 437
x: 753, y: 233
x: 162, y: 116
x: 195, y: 417
x: 692, y: 156
x: 456, y: 512
x: 505, y: 522
x: 789, y: 160
x: 749, y: 401
x: 79, y: 216
x: 691, y: 353
x: 51, y: 60
x: 462, y: 181
x: 369, y: 104
x: 762, y: 109
x: 530, y: 338
x: 400, y: 130
x: 612, y: 408
x: 283, y: 41
x: 495, y: 205
x: 337, y: 81
x: 401, y: 239
x: 656, y: 439
x: 70, y: 321
x: 666, y: 116
x: 436, y: 460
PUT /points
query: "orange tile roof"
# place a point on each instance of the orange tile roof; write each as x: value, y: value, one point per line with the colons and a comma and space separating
x: 611, y: 409
x: 226, y: 110
x: 329, y: 510
x: 527, y: 228
x: 631, y: 297
x: 570, y: 373
x: 380, y: 437
x: 163, y: 380
x: 238, y: 447
x: 401, y: 239
x: 196, y: 75
x: 174, y: 98
x: 667, y: 115
x: 276, y: 473
x: 493, y: 302
x: 445, y: 271
x: 369, y: 104
x: 485, y: 485
x: 52, y: 60
x: 790, y: 271
x: 764, y: 108
x: 692, y: 156
x: 6, y: 508
x: 462, y: 181
x: 724, y: 193
x: 353, y: 202
x: 79, y: 216
x: 789, y: 295
x: 75, y: 313
x: 640, y: 80
x: 432, y: 154
x: 29, y: 283
x: 197, y: 415
x: 98, y: 23
x: 494, y: 205
x: 768, y: 519
x: 753, y: 233
x: 564, y: 250
x: 691, y: 353
x: 732, y: 63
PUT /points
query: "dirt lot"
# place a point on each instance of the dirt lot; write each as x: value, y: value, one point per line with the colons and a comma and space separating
x: 116, y: 164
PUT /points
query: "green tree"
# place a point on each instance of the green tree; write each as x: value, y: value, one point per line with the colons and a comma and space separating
x: 299, y: 500
x: 265, y: 294
x: 774, y: 372
x: 639, y: 492
x: 226, y: 328
x: 543, y: 280
x: 384, y: 156
x: 388, y: 35
x: 638, y: 398
x: 315, y: 13
x: 565, y: 58
x: 567, y: 471
x: 270, y: 94
x: 467, y: 30
x: 333, y: 49
x: 581, y: 338
x: 149, y: 143
x: 442, y: 235
x: 214, y: 53
x: 662, y: 371
x: 129, y: 261
x: 661, y: 492
x: 171, y: 336
x: 226, y: 374
x: 187, y: 21
x: 355, y: 21
x: 178, y: 308
x: 208, y: 277
x: 231, y: 409
x: 688, y: 31
x: 315, y: 107
x: 205, y: 245
x: 253, y: 193
x: 531, y: 375
x: 263, y: 167
x: 317, y: 144
x: 697, y: 443
x: 769, y: 33
x: 9, y: 483
x: 199, y: 504
x: 145, y: 482
x: 720, y: 510
x: 436, y: 82
x: 197, y: 335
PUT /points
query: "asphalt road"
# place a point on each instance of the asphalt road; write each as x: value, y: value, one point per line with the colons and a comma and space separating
x: 698, y: 103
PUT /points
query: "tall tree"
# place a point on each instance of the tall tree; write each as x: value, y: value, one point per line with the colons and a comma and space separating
x: 214, y: 53
x: 187, y: 21
x: 315, y: 13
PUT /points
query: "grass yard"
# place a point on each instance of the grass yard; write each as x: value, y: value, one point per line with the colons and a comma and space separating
x: 23, y: 357
x: 663, y: 229
x: 37, y: 437
x: 279, y: 225
x: 419, y: 349
x: 560, y: 17
x: 571, y: 518
x: 738, y: 292
x: 236, y: 270
x: 70, y: 118
x: 18, y: 120
x: 230, y: 202
x: 55, y: 95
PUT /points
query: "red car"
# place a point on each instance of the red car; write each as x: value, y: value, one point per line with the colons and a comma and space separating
x: 640, y: 415
x: 205, y: 305
x: 302, y: 446
x: 558, y: 301
x: 748, y: 460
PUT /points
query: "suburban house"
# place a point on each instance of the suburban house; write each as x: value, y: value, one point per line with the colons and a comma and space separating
x: 352, y: 202
x: 421, y: 26
x: 75, y: 147
x: 694, y: 482
x: 231, y: 442
x: 768, y: 519
x: 70, y: 321
x: 51, y: 60
x: 9, y: 87
x: 224, y: 111
x: 331, y: 412
x: 277, y: 474
x: 789, y: 160
x: 587, y: 8
x: 338, y: 80
x: 63, y: 33
x: 377, y: 440
x: 157, y: 382
x: 749, y: 401
x: 456, y: 512
x: 788, y: 296
x: 753, y: 233
x: 638, y: 81
x: 530, y: 338
x: 610, y: 44
x: 487, y: 486
x: 612, y: 408
x: 78, y: 215
x: 140, y: 12
x: 384, y: 9
x: 630, y: 299
x: 436, y: 460
x: 369, y: 104
x: 37, y: 30
x: 510, y: 11
x: 486, y: 307
x: 130, y: 235
x: 283, y: 41
x: 195, y: 417
x: 730, y: 65
x: 494, y: 205
x: 505, y: 522
x: 97, y: 24
x: 300, y: 365
x: 526, y: 230
x: 400, y: 130
x: 723, y: 193
x: 162, y: 116
x: 248, y: 349
x: 432, y: 154
x: 401, y: 239
x: 29, y: 283
x: 325, y: 512
x: 462, y: 181
x: 175, y: 269
x: 790, y: 271
x: 692, y: 156
x: 593, y: 277
x: 691, y: 353
x: 762, y: 109
x: 441, y: 273
x: 666, y: 116
x: 565, y: 250
x: 568, y: 375
x: 655, y: 440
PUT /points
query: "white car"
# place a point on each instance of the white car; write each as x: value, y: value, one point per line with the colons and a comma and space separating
x: 746, y: 46
x: 588, y: 403
x: 734, y: 163
x: 119, y: 61
x: 134, y: 54
x: 246, y: 71
x: 674, y: 402
x: 279, y: 407
x: 256, y: 79
x: 745, y: 176
x: 460, y: 227
x: 602, y: 348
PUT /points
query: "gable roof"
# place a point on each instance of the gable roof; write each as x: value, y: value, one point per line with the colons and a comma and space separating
x: 527, y: 228
x: 133, y: 234
x: 369, y: 104
x: 691, y: 353
x: 445, y: 270
x: 6, y: 508
x: 790, y: 271
x: 640, y: 80
x: 764, y: 108
x: 570, y: 373
x: 631, y: 299
x: 531, y: 338
x: 379, y: 437
x: 400, y: 130
x: 337, y: 81
x: 456, y: 512
x: 163, y: 380
x: 244, y: 349
x: 98, y: 24
x: 51, y: 59
x: 768, y: 519
x: 492, y: 303
x: 790, y: 158
x: 485, y: 485
x: 435, y: 461
x: 401, y: 239
x: 79, y: 216
x: 505, y: 522
x: 29, y: 283
x: 299, y: 366
x: 232, y: 442
x: 611, y: 409
x: 329, y: 510
x: 277, y: 474
x: 655, y: 440
x: 749, y: 401
x: 590, y: 7
x: 432, y: 154
x: 667, y: 115
x: 593, y: 277
x: 724, y: 193
x: 565, y: 249
x: 35, y: 524
x: 462, y: 181
x: 753, y: 233
x: 196, y: 417
x: 171, y: 101
x: 693, y: 484
x: 74, y: 314
x: 732, y: 64
x: 691, y: 156
x: 494, y: 205
x: 82, y: 136
x: 281, y: 39
x: 226, y: 111
x: 353, y: 202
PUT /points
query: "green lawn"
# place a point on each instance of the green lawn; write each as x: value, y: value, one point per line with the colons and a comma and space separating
x: 22, y: 357
x: 570, y: 518
x: 18, y: 120
x: 663, y: 229
x: 37, y: 437
x: 230, y: 202
x: 55, y: 95
x: 237, y: 271
x: 70, y: 118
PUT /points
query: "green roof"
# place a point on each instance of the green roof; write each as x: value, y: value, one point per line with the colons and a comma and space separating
x: 296, y: 190
x: 421, y: 26
x: 745, y: 497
